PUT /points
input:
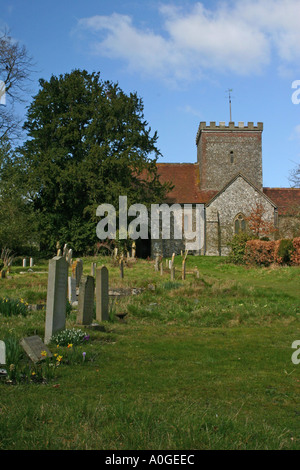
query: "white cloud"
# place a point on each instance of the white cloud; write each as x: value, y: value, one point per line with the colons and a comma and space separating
x: 240, y: 37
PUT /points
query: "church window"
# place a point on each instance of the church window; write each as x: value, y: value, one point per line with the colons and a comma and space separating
x: 239, y: 224
x: 231, y: 156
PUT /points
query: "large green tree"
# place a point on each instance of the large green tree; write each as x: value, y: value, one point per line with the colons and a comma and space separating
x: 88, y: 144
x: 17, y: 220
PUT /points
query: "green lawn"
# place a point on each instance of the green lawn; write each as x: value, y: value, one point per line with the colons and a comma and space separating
x: 203, y: 363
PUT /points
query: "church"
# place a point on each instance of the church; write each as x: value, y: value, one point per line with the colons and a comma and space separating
x: 227, y: 180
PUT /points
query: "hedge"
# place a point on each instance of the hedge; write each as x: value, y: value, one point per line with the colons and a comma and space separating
x: 264, y: 253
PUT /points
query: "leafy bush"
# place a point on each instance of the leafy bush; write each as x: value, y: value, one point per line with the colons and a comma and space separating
x: 259, y: 252
x: 283, y: 251
x: 295, y: 256
x: 238, y: 246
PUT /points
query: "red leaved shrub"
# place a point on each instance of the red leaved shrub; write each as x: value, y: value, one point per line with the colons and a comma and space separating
x: 295, y: 257
x: 259, y: 252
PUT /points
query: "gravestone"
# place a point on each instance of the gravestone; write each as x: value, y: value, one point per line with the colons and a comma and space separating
x: 156, y: 262
x: 31, y: 262
x: 56, y: 296
x: 102, y: 296
x: 34, y: 347
x: 77, y: 270
x: 173, y: 273
x: 72, y: 290
x: 24, y: 262
x: 86, y: 296
x: 2, y: 353
x: 69, y: 256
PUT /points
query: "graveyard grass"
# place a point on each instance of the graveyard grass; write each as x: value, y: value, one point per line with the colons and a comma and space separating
x: 203, y: 363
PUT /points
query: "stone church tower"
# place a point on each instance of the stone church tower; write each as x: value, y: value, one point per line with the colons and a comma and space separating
x: 223, y: 151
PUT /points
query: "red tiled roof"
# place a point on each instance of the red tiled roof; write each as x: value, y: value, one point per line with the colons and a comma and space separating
x: 284, y: 198
x: 186, y: 180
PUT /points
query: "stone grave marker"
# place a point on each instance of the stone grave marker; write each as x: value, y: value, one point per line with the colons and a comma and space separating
x: 72, y: 289
x: 86, y: 296
x: 24, y: 262
x: 2, y: 358
x: 77, y: 270
x: 102, y: 295
x: 56, y: 296
x: 31, y: 262
x: 34, y: 347
x: 173, y: 273
x: 2, y: 353
x: 69, y: 256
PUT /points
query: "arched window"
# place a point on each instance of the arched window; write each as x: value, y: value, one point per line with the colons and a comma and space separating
x: 239, y: 223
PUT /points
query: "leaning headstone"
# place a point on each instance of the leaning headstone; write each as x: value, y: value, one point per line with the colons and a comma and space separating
x: 156, y: 262
x: 56, y: 296
x: 65, y: 250
x: 2, y: 353
x: 24, y: 262
x: 173, y: 273
x: 86, y: 296
x: 69, y: 256
x: 102, y: 296
x: 161, y: 268
x: 35, y: 348
x: 72, y: 289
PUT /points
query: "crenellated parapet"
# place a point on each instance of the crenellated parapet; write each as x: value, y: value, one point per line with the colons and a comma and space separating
x: 231, y: 126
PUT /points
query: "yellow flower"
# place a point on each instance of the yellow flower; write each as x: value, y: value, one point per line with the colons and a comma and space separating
x: 59, y: 358
x: 33, y: 373
x: 44, y: 353
x: 70, y: 345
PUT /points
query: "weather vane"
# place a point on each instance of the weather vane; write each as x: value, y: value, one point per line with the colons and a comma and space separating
x: 229, y: 97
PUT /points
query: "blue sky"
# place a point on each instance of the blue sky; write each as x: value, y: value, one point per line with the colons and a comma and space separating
x: 180, y: 57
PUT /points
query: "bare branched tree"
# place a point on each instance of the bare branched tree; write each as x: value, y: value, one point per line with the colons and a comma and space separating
x: 16, y: 66
x: 295, y: 177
